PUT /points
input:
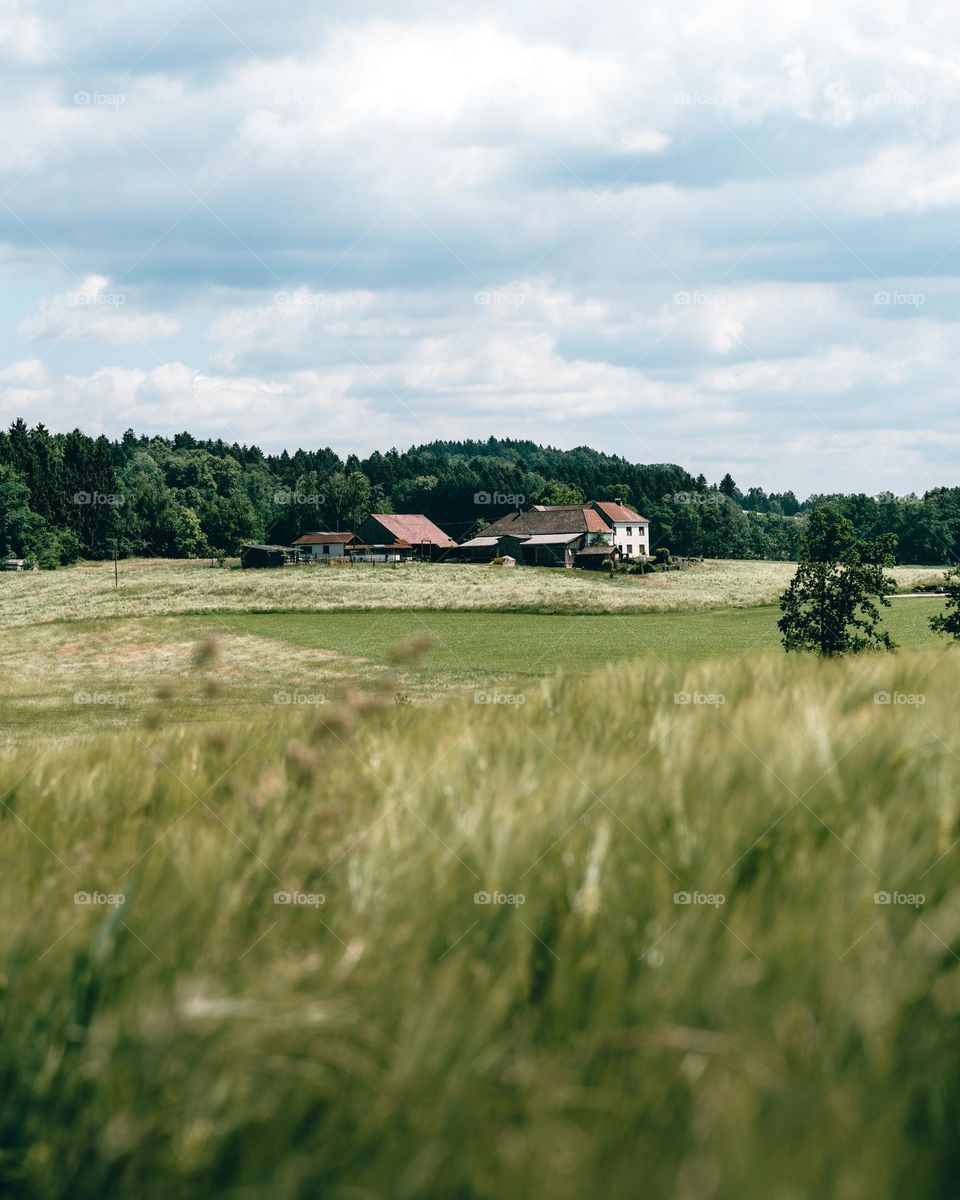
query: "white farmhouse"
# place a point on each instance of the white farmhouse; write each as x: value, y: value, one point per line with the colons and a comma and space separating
x: 629, y: 532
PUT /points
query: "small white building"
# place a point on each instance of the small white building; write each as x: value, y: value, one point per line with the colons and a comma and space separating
x: 324, y: 545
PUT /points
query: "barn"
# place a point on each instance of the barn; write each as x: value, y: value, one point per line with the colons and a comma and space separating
x: 428, y: 541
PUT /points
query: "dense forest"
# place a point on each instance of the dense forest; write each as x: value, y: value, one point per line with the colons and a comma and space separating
x: 69, y: 496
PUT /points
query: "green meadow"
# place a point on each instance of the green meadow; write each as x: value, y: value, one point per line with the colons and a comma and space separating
x: 531, y: 644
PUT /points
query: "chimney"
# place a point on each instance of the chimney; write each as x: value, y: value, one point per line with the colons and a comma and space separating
x: 618, y: 500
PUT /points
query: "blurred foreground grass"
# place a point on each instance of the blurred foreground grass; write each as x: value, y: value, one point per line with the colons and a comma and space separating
x: 299, y: 994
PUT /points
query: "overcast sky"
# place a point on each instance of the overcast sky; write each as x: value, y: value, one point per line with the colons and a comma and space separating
x: 722, y: 234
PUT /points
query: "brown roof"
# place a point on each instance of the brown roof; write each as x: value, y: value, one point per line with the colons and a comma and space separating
x: 319, y: 539
x: 617, y: 512
x: 606, y: 551
x: 560, y: 518
x: 399, y: 545
x: 414, y: 528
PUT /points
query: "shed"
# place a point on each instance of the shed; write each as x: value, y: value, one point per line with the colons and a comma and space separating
x: 256, y: 555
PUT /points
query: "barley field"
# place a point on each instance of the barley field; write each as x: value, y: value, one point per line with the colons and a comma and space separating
x: 693, y: 936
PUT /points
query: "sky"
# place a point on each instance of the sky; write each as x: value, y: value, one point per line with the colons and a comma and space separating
x: 722, y: 234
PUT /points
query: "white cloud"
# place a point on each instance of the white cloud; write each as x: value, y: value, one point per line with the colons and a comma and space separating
x: 93, y: 311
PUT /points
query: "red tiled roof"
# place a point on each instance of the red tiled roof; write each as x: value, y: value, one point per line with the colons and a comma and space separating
x: 618, y: 512
x: 319, y: 539
x: 414, y: 528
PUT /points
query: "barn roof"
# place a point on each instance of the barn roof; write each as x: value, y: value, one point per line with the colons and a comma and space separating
x: 567, y: 518
x: 414, y: 528
x: 320, y: 539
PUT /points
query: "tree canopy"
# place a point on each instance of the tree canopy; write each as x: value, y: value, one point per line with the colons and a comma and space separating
x: 64, y: 496
x: 833, y: 603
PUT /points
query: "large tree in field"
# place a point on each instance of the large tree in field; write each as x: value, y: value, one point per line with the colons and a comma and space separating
x: 949, y: 620
x: 831, y: 607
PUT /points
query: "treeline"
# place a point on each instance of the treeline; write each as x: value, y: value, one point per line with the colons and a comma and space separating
x: 70, y: 496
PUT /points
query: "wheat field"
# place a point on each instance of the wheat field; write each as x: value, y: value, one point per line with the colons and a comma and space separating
x: 692, y: 936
